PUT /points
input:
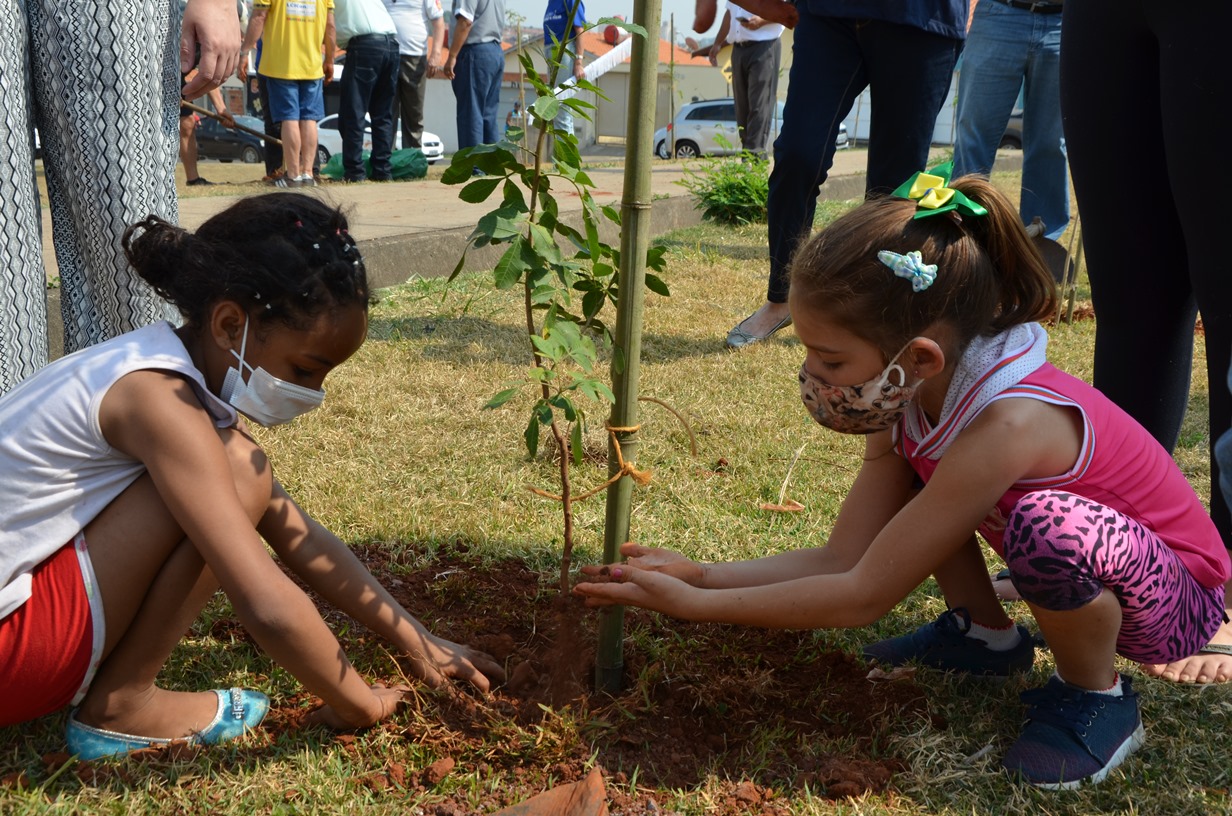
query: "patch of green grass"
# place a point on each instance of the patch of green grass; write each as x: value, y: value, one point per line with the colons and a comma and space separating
x: 403, y: 451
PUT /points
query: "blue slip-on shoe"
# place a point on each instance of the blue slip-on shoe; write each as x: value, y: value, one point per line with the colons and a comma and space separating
x: 943, y: 644
x: 239, y: 711
x: 1072, y: 736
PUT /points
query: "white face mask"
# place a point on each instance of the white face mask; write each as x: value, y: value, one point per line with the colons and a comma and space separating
x: 265, y: 398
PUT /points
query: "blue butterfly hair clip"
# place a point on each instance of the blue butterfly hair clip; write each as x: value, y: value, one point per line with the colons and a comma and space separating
x: 910, y: 266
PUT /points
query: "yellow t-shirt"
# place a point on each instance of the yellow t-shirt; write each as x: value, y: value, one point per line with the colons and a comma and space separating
x: 292, y: 37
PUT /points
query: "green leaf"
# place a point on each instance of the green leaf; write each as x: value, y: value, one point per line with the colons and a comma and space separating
x: 501, y: 398
x: 596, y: 390
x: 480, y: 189
x: 612, y: 214
x: 514, y: 198
x: 458, y: 268
x: 655, y: 284
x: 592, y: 302
x: 656, y: 257
x: 575, y: 442
x: 546, y: 108
x: 565, y: 405
x: 509, y: 269
x: 531, y: 435
x: 545, y: 245
x: 544, y: 412
x: 499, y: 225
x: 624, y: 25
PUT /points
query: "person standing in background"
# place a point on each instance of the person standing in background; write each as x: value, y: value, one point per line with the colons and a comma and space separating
x: 475, y: 65
x: 420, y: 57
x: 294, y: 34
x: 188, y: 134
x: 369, y: 82
x: 563, y: 22
x: 904, y: 53
x: 756, y: 53
x: 104, y: 170
x: 1009, y: 43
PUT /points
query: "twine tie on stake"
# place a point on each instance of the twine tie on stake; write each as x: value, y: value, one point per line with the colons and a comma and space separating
x: 641, y: 477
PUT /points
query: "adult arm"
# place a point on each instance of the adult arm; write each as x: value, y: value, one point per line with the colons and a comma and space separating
x: 436, y: 44
x: 461, y: 30
x: 212, y: 29
x: 579, y: 71
x: 330, y: 567
x: 156, y: 418
x: 720, y: 39
x: 256, y: 27
x: 220, y: 107
x: 331, y: 47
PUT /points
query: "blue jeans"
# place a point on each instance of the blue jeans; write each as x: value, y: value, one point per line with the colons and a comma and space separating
x: 476, y: 86
x: 1006, y: 48
x: 834, y: 60
x: 369, y: 85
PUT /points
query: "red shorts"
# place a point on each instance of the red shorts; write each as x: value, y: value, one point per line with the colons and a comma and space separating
x: 48, y: 642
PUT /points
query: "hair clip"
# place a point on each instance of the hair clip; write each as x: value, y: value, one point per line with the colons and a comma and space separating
x: 316, y: 246
x: 269, y: 306
x: 932, y: 196
x: 256, y: 295
x: 910, y: 266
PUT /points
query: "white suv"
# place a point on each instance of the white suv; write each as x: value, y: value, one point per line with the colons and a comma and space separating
x: 708, y: 128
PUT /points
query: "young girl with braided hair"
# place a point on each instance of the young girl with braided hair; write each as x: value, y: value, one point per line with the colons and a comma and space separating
x: 132, y: 491
x: 918, y: 314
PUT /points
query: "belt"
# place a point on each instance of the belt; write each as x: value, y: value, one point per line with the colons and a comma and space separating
x: 1034, y: 8
x: 382, y: 37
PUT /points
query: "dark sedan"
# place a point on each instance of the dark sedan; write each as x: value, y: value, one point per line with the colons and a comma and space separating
x: 214, y: 141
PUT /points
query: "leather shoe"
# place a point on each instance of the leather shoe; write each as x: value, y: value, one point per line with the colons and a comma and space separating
x: 739, y: 338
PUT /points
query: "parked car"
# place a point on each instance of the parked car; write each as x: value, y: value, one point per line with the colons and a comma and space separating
x: 1012, y: 140
x: 708, y: 128
x: 329, y: 140
x: 215, y: 141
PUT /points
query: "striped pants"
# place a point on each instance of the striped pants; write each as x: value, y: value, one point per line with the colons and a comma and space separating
x: 100, y: 80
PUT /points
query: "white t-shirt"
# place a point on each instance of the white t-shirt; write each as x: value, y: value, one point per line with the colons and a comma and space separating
x: 57, y: 472
x: 355, y: 18
x: 737, y: 33
x: 411, y: 18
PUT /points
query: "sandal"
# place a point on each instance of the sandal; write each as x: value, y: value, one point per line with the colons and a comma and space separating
x: 1216, y: 648
x: 1004, y: 575
x: 239, y: 711
x: 739, y: 338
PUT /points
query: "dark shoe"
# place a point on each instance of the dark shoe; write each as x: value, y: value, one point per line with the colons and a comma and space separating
x: 739, y: 338
x: 943, y: 644
x: 283, y: 181
x: 1072, y: 736
x: 357, y: 180
x: 199, y: 182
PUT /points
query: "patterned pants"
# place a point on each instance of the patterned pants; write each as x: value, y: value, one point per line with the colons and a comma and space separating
x: 1063, y: 550
x: 101, y: 82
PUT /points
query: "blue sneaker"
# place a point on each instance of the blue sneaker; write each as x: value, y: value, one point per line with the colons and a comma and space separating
x: 943, y: 644
x: 1072, y: 736
x: 239, y: 711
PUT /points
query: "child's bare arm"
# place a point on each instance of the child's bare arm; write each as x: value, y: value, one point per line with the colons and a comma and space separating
x: 156, y: 417
x: 329, y: 567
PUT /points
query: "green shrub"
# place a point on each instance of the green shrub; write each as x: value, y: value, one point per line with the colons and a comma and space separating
x: 731, y: 189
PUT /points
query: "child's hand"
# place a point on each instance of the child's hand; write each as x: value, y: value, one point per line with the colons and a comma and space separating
x: 445, y: 659
x: 656, y: 559
x: 387, y: 701
x: 657, y: 591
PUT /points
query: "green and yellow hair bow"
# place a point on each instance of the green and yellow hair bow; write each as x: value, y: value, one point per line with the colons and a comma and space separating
x: 929, y: 191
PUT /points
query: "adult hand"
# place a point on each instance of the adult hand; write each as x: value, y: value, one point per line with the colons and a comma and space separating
x: 773, y: 11
x: 211, y: 28
x: 752, y: 23
x: 227, y: 119
x: 713, y: 56
x: 387, y: 698
x: 327, y: 68
x: 443, y: 659
x: 447, y: 70
x: 579, y: 72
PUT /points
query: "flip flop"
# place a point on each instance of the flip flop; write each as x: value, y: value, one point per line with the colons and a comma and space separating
x: 1216, y: 648
x: 739, y: 338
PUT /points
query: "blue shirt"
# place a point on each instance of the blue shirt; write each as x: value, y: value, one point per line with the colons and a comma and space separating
x: 947, y: 18
x: 556, y: 19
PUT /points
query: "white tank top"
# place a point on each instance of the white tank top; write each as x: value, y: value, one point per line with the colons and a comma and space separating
x: 57, y: 472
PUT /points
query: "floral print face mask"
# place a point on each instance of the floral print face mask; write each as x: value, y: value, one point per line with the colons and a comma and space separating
x: 859, y: 409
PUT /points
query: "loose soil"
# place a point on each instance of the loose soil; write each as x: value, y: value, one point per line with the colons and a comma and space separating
x: 699, y: 709
x: 753, y: 715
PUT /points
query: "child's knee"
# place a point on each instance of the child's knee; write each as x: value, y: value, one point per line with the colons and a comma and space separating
x: 254, y: 478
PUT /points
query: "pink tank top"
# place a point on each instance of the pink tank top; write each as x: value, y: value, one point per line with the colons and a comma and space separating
x: 1120, y: 466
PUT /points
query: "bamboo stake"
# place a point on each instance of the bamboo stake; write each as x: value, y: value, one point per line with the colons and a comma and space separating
x: 236, y: 126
